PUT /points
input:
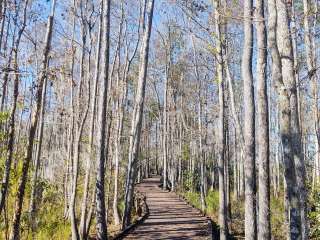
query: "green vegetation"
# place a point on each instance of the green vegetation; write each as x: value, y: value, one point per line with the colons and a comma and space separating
x: 314, y: 214
x: 278, y: 221
x: 50, y: 223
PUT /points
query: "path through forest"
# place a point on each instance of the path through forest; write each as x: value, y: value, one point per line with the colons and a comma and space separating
x: 169, y: 216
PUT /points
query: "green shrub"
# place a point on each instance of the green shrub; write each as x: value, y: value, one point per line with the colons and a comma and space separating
x: 277, y: 217
x: 121, y: 207
x: 212, y: 201
x: 193, y: 198
x: 314, y: 214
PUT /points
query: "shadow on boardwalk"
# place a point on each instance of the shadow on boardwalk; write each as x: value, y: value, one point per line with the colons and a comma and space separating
x: 169, y: 216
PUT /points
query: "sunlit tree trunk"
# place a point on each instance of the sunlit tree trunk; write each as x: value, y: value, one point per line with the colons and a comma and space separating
x: 71, y: 127
x: 32, y: 205
x: 264, y: 226
x: 82, y: 116
x: 278, y: 34
x: 15, y: 231
x: 101, y: 138
x: 165, y: 130
x: 88, y: 164
x: 311, y: 62
x: 137, y: 117
x: 249, y: 125
x: 12, y: 124
x: 221, y: 130
x: 286, y: 52
x: 200, y: 131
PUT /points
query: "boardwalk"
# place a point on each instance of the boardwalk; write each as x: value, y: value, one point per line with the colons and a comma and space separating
x: 170, y: 217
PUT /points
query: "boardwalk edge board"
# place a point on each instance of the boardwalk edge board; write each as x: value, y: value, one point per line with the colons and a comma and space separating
x: 210, y: 233
x: 210, y: 221
x: 139, y: 221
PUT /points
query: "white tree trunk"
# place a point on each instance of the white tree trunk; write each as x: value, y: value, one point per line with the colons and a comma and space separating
x: 137, y: 117
x: 264, y: 226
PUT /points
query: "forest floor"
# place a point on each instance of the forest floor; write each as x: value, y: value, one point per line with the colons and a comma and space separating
x: 169, y: 217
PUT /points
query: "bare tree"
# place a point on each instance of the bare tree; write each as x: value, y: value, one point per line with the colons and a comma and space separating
x: 101, y: 139
x: 137, y: 116
x: 6, y: 175
x: 311, y: 65
x: 274, y: 39
x: 249, y: 125
x: 14, y: 235
x: 264, y: 230
x: 85, y: 217
x: 81, y: 117
x: 221, y: 134
x: 286, y: 53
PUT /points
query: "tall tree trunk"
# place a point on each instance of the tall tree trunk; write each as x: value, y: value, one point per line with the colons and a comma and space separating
x: 235, y: 167
x: 11, y: 136
x: 278, y: 33
x: 294, y: 37
x: 137, y: 117
x: 165, y: 132
x: 264, y: 230
x: 82, y: 115
x: 15, y: 231
x: 311, y: 64
x: 32, y: 205
x: 101, y: 139
x: 201, y: 155
x: 221, y: 135
x: 226, y: 167
x: 3, y: 21
x: 88, y: 166
x: 121, y: 103
x: 72, y: 119
x: 286, y: 53
x: 249, y: 125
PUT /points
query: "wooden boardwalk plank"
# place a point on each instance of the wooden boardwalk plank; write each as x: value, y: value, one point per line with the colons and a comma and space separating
x: 170, y: 217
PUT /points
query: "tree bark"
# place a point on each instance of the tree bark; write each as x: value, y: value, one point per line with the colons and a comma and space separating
x: 101, y: 138
x: 249, y: 125
x: 311, y: 65
x: 286, y: 53
x: 202, y: 174
x: 279, y: 35
x: 82, y: 116
x: 32, y: 206
x: 15, y: 231
x: 137, y: 117
x: 88, y: 166
x: 264, y: 230
x: 11, y: 136
x: 221, y: 130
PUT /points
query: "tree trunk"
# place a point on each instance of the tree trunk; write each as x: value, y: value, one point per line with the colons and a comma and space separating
x: 72, y: 120
x: 137, y: 117
x: 79, y: 131
x: 88, y: 166
x: 221, y: 131
x: 249, y: 125
x: 101, y: 138
x: 264, y: 230
x: 11, y: 136
x: 165, y: 132
x: 32, y: 206
x: 286, y: 53
x: 280, y: 75
x: 311, y: 64
x: 15, y: 231
x: 201, y: 155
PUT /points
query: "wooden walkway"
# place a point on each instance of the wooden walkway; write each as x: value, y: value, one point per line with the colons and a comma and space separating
x: 170, y: 217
